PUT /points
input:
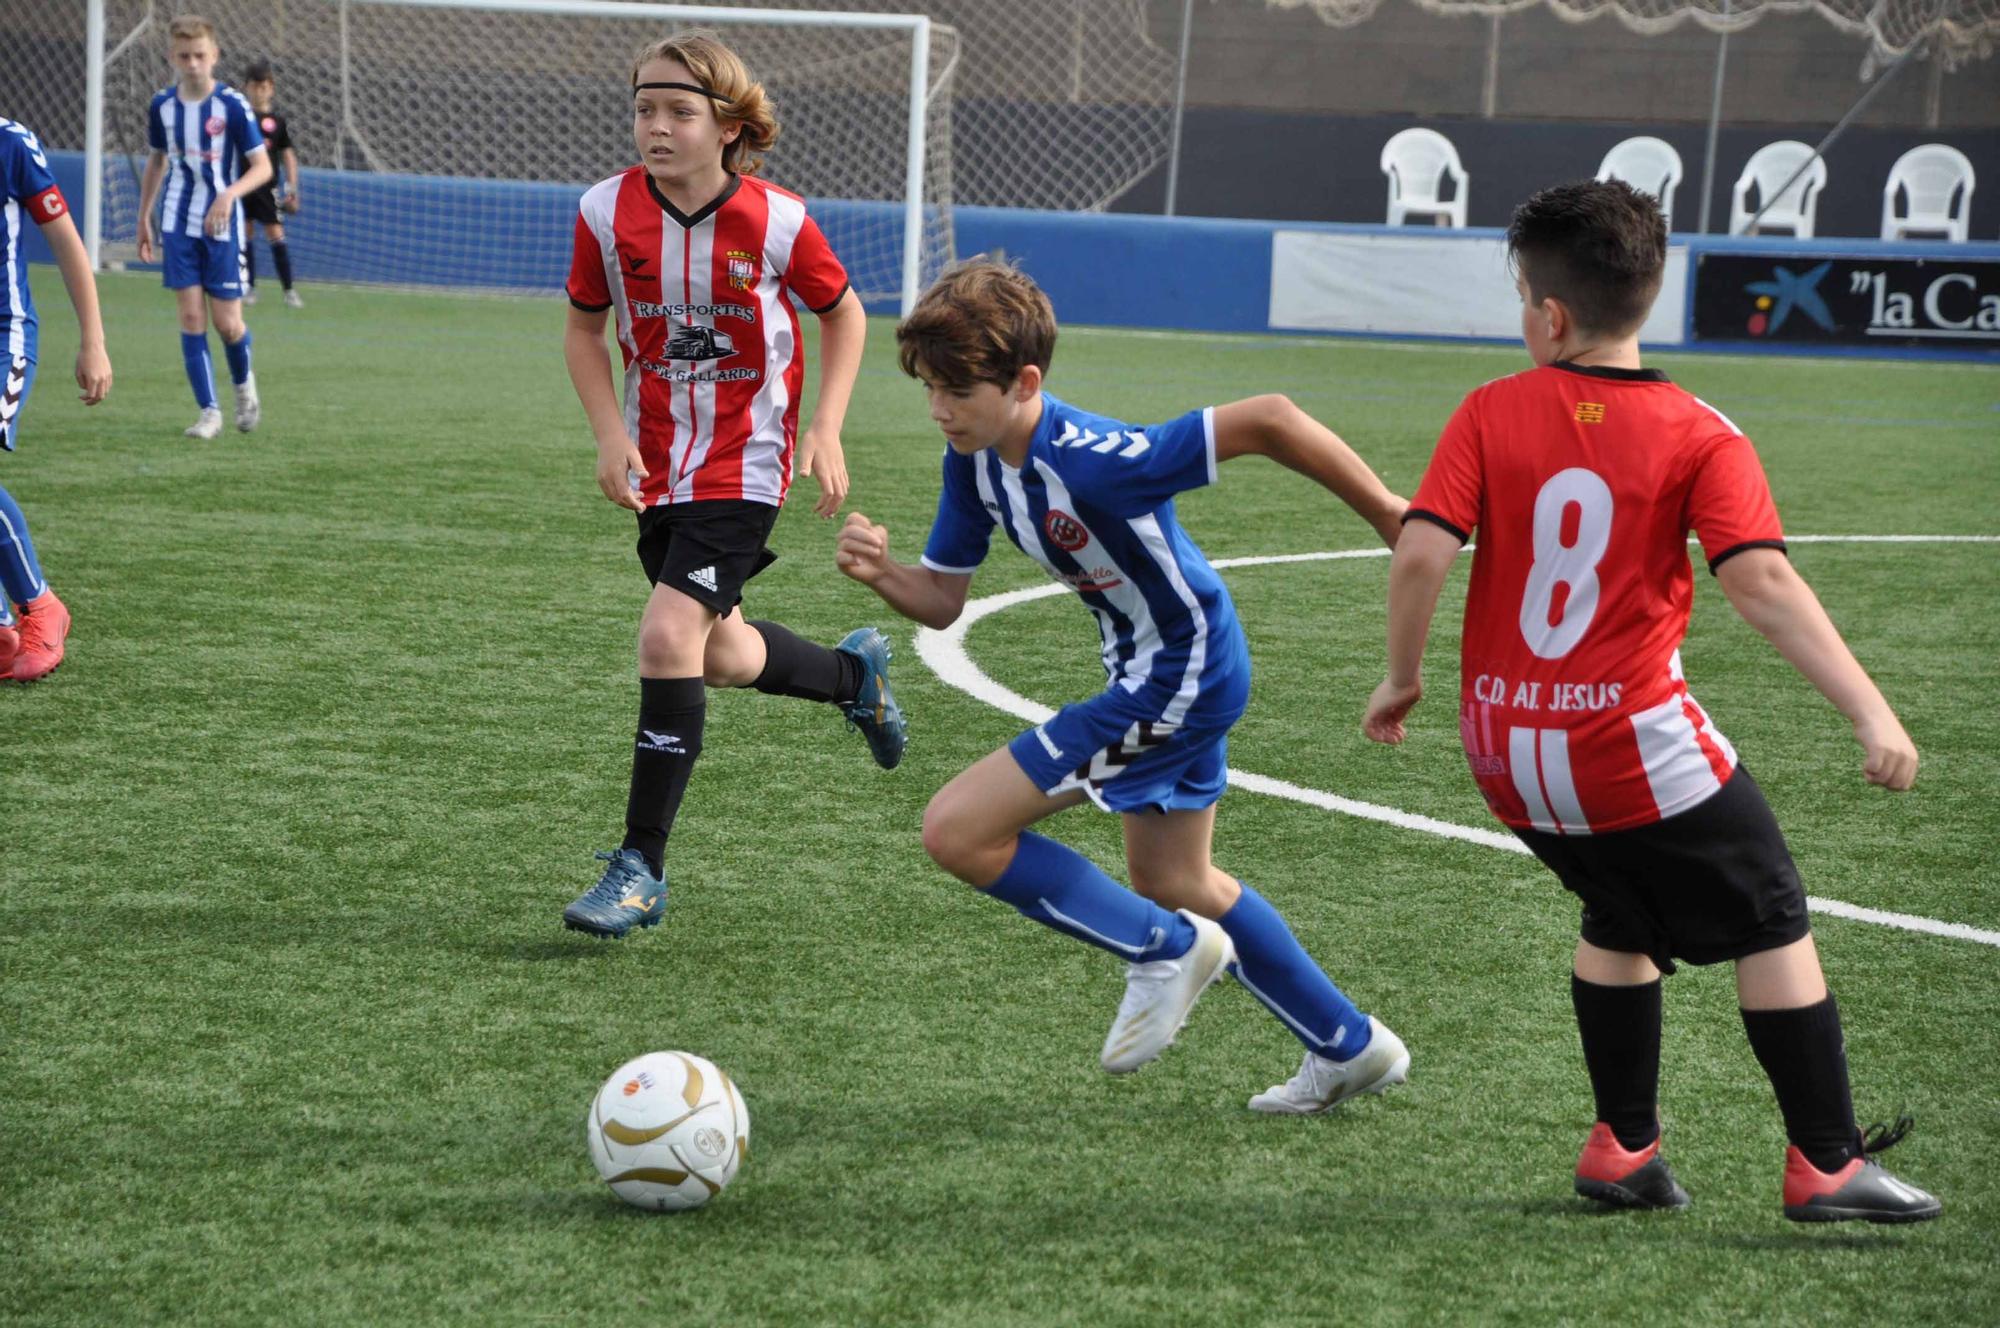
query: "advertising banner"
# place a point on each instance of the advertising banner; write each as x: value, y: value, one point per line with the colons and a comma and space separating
x: 1806, y: 300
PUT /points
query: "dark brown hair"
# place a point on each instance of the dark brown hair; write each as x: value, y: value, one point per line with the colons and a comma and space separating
x: 1599, y: 246
x: 983, y: 321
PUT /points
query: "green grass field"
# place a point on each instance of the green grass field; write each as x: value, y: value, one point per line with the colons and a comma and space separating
x: 289, y: 1029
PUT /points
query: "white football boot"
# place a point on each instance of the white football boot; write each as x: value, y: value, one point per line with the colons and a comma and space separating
x: 209, y: 425
x: 248, y: 410
x: 1159, y: 994
x: 292, y: 300
x: 1322, y: 1083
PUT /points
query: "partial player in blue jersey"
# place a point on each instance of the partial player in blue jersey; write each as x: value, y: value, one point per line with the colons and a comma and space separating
x: 209, y: 153
x: 32, y: 645
x: 1091, y: 500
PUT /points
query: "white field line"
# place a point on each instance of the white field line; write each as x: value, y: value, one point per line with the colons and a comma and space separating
x: 944, y: 653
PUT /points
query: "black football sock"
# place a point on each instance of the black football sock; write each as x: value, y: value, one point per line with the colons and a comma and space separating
x: 794, y: 666
x: 249, y: 263
x: 669, y: 739
x: 1621, y: 1048
x: 1806, y: 1057
x: 281, y: 258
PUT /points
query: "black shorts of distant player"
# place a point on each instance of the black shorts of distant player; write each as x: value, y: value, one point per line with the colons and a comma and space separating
x: 261, y: 206
x: 707, y: 550
x: 1714, y: 883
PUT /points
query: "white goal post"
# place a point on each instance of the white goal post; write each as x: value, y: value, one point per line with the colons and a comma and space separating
x: 838, y: 56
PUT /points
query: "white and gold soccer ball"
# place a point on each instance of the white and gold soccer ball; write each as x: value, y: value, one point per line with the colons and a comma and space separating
x: 667, y: 1131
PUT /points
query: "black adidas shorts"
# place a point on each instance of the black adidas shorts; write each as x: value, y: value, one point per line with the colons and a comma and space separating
x: 707, y: 550
x: 1713, y: 883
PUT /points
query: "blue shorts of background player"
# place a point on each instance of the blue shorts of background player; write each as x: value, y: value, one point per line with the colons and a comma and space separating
x: 214, y: 264
x: 1091, y: 500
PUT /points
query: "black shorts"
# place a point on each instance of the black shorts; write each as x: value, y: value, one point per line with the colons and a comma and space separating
x: 1713, y: 883
x: 707, y: 550
x: 261, y: 206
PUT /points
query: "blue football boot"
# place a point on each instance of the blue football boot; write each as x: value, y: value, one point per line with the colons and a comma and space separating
x: 874, y: 711
x: 627, y: 893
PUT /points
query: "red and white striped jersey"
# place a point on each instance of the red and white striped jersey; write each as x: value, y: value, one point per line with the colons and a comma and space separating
x: 713, y: 365
x: 1583, y: 484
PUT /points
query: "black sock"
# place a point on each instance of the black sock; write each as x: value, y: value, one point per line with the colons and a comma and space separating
x: 794, y: 666
x: 281, y: 258
x: 669, y: 739
x: 1806, y: 1057
x: 249, y: 263
x: 1620, y: 1027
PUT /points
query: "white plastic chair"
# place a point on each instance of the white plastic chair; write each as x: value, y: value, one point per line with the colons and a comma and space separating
x: 1767, y: 170
x: 1930, y: 175
x: 1647, y: 164
x: 1416, y: 162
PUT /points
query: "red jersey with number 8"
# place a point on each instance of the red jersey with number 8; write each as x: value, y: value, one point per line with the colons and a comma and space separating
x: 1583, y: 484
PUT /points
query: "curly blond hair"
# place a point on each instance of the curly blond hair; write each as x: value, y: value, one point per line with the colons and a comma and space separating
x: 742, y: 99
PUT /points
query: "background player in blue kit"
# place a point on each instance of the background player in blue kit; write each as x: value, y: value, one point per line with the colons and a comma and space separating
x: 1091, y: 499
x: 209, y: 152
x: 32, y: 648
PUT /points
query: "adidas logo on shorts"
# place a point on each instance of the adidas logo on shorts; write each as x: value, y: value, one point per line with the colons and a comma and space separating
x: 703, y: 577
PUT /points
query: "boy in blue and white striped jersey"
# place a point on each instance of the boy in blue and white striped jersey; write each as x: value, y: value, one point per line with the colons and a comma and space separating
x: 208, y: 151
x: 1091, y: 499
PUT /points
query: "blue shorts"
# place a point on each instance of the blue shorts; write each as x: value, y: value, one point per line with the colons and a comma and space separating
x: 18, y: 381
x: 200, y: 260
x: 1120, y: 750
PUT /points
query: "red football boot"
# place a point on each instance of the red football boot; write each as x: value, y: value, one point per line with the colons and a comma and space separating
x: 44, y: 628
x: 10, y: 646
x: 1860, y: 1191
x: 1610, y: 1174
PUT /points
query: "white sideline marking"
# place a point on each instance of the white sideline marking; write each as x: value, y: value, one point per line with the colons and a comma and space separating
x: 944, y: 653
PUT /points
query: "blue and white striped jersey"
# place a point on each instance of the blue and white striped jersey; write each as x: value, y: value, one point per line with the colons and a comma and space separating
x: 28, y: 194
x: 207, y: 143
x: 1093, y: 504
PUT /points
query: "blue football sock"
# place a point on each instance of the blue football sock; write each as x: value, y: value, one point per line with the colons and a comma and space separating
x: 1277, y: 970
x: 20, y: 573
x: 1058, y: 887
x: 239, y: 358
x: 200, y: 371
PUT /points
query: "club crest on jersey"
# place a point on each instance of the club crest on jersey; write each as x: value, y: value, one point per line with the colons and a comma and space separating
x: 742, y: 268
x: 1065, y: 531
x: 270, y: 125
x: 692, y: 341
x: 215, y: 124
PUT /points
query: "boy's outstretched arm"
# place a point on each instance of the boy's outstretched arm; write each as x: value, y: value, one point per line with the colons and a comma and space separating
x: 93, y: 362
x: 842, y: 329
x: 1274, y: 427
x: 1774, y: 599
x: 934, y: 599
x: 1424, y: 555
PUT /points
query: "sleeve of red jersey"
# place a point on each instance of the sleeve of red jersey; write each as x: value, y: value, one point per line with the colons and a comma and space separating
x: 814, y: 272
x: 586, y: 287
x: 1453, y: 483
x: 1730, y: 505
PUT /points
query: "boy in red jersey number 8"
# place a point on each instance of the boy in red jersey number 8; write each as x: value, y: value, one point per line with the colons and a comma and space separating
x: 698, y: 260
x: 1583, y: 477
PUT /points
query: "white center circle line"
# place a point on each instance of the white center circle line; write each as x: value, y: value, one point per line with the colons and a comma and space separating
x: 944, y: 653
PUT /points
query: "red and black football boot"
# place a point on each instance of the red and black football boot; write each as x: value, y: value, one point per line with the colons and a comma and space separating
x: 1611, y: 1174
x: 1861, y: 1191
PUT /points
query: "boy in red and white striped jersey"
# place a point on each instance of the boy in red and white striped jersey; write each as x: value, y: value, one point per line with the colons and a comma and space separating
x: 1583, y: 477
x: 698, y: 260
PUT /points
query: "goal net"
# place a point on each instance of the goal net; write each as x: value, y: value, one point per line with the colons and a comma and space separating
x: 444, y: 142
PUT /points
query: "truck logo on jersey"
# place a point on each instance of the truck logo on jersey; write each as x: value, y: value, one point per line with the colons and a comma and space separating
x: 692, y: 341
x: 1065, y: 531
x: 742, y: 269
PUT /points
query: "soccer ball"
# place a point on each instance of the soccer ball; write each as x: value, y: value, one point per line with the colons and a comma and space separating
x: 667, y: 1131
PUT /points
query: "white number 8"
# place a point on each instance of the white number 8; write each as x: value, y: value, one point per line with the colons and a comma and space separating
x: 1571, y: 565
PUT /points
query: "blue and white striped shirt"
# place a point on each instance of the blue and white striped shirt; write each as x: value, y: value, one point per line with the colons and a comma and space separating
x: 28, y: 194
x: 207, y: 142
x: 1093, y: 504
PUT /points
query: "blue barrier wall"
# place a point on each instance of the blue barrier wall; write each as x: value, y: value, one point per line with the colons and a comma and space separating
x: 1098, y: 268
